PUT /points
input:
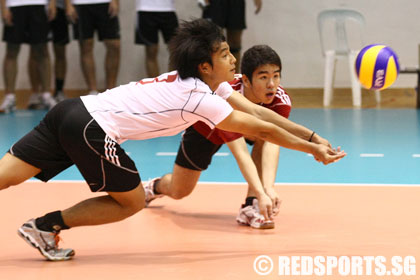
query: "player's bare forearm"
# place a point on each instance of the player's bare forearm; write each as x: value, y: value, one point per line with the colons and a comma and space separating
x: 246, y: 165
x: 269, y: 163
x: 249, y: 171
x: 241, y: 103
x: 246, y: 124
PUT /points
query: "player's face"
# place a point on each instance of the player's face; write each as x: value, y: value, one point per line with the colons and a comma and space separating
x: 223, y: 69
x: 265, y: 81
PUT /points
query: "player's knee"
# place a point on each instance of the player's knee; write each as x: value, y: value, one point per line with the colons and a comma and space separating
x: 130, y: 202
x: 134, y: 208
x: 86, y: 47
x: 137, y: 203
x: 113, y: 46
x: 12, y: 51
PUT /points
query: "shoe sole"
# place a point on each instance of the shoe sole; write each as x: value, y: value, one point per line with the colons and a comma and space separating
x: 34, y: 244
x: 8, y: 110
x: 265, y: 225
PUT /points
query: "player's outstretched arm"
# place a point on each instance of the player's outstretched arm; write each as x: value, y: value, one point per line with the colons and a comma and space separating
x: 249, y: 171
x: 241, y: 103
x: 265, y: 155
x: 246, y: 124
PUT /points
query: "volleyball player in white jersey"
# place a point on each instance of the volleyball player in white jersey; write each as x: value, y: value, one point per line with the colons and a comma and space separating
x: 154, y: 16
x: 259, y: 83
x: 88, y: 131
x: 26, y: 21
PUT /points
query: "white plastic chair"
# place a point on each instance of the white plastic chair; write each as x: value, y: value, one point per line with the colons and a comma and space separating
x: 340, y: 18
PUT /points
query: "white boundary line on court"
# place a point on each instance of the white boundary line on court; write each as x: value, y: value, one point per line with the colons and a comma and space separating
x: 371, y: 155
x: 165, y: 154
x: 277, y: 184
x: 323, y: 184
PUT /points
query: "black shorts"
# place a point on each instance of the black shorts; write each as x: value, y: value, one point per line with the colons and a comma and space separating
x: 195, y: 151
x: 149, y: 24
x: 95, y: 17
x: 30, y: 25
x: 59, y: 28
x: 228, y: 14
x: 69, y: 135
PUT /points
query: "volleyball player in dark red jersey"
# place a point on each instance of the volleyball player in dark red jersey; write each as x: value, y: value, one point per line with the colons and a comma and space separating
x: 259, y: 83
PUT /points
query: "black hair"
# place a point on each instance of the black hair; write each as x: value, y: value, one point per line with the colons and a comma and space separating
x: 256, y: 56
x: 193, y: 43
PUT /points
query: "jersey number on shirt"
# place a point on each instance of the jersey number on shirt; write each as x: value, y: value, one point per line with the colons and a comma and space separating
x: 168, y: 79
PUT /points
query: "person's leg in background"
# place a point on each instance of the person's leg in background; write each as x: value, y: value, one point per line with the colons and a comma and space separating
x: 84, y: 33
x: 235, y: 24
x: 60, y: 68
x: 112, y: 61
x: 168, y: 25
x: 152, y: 65
x: 61, y: 38
x: 87, y: 62
x: 40, y: 64
x: 146, y: 33
x: 10, y: 69
x: 108, y: 27
x: 14, y: 20
x: 234, y: 39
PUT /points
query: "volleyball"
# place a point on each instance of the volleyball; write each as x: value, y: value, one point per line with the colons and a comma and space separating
x: 377, y: 67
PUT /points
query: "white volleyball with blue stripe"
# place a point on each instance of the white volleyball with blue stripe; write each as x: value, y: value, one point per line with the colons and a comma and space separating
x: 377, y: 67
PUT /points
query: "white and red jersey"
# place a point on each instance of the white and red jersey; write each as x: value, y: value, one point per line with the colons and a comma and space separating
x: 281, y: 104
x: 154, y: 107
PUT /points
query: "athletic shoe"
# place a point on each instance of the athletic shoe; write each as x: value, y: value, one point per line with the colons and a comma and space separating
x: 59, y: 96
x: 35, y: 102
x: 250, y: 216
x: 46, y: 242
x: 150, y: 192
x: 9, y: 103
x: 48, y: 101
x: 93, y: 92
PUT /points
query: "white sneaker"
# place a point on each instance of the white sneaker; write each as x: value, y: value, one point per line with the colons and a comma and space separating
x: 46, y: 242
x: 250, y: 216
x: 9, y: 103
x: 34, y: 102
x: 59, y: 96
x: 149, y: 191
x: 48, y: 101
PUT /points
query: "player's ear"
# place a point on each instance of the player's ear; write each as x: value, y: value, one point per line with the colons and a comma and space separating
x: 246, y: 81
x: 204, y: 68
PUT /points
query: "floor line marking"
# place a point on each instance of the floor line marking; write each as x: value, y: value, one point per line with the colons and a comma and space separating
x: 371, y: 155
x: 165, y: 154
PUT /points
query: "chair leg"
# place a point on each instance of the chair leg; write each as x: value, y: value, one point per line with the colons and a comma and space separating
x: 355, y: 85
x: 378, y: 96
x: 329, y: 77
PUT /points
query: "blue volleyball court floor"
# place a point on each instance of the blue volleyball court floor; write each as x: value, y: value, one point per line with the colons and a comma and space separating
x: 383, y: 147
